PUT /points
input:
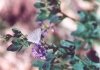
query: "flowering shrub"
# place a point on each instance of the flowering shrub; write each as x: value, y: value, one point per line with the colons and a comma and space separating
x: 52, y: 56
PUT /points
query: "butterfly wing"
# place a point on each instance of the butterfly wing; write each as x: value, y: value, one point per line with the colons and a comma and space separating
x: 35, y: 36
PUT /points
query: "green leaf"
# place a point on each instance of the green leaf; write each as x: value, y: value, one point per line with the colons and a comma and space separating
x: 21, y: 42
x: 59, y: 66
x: 38, y: 63
x: 49, y: 56
x: 56, y: 68
x: 62, y: 50
x: 42, y: 11
x: 7, y: 37
x: 81, y: 28
x: 18, y: 41
x: 14, y: 47
x: 66, y: 43
x: 39, y: 5
x: 16, y: 30
x: 53, y: 19
x: 41, y: 17
x: 78, y: 66
x: 17, y: 35
x: 46, y: 65
x: 82, y: 15
x: 26, y: 43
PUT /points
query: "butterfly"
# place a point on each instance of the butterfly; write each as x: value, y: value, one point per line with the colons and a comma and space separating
x: 35, y: 36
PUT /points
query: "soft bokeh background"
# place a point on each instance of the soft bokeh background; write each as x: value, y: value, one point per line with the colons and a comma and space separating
x: 21, y: 14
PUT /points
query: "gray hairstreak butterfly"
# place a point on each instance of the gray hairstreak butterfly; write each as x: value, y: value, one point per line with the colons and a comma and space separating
x: 35, y: 36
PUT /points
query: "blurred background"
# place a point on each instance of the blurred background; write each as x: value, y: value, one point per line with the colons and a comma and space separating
x: 21, y: 14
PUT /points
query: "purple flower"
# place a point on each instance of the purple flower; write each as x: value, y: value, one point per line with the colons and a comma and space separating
x: 40, y: 23
x: 35, y: 54
x: 44, y: 32
x: 39, y: 51
x: 37, y: 45
x: 43, y: 51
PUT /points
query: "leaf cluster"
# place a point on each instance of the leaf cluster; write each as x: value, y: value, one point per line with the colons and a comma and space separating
x: 18, y: 40
x: 88, y: 28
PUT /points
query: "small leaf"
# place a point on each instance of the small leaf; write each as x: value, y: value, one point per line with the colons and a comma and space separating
x: 83, y: 15
x: 78, y: 66
x: 62, y: 50
x: 16, y: 30
x: 49, y: 56
x: 42, y: 4
x: 17, y: 35
x: 26, y: 43
x: 54, y: 19
x: 39, y: 5
x: 7, y: 37
x: 46, y: 65
x: 81, y: 29
x: 41, y: 17
x: 56, y: 68
x: 14, y: 47
x: 17, y: 41
x: 66, y: 43
x: 38, y: 63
